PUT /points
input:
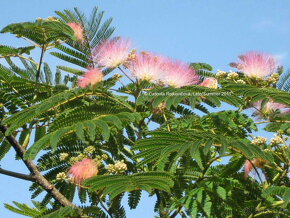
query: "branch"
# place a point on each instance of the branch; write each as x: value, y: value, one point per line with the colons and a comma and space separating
x: 17, y: 175
x: 39, y: 179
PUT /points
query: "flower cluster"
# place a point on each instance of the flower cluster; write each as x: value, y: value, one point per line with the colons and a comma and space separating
x: 178, y: 74
x: 275, y: 140
x: 259, y: 140
x: 255, y: 65
x: 257, y: 162
x: 210, y: 83
x: 89, y: 150
x: 83, y: 170
x: 269, y: 107
x: 63, y: 156
x: 162, y: 70
x: 220, y: 74
x: 232, y: 75
x: 82, y: 166
x: 273, y: 78
x: 111, y: 53
x: 78, y: 31
x: 90, y: 77
x: 118, y: 167
x: 143, y: 66
x: 61, y: 176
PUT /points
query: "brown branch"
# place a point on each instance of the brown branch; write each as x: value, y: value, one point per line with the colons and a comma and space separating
x: 17, y: 175
x: 36, y: 175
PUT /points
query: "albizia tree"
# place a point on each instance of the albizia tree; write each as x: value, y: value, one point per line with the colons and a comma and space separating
x: 87, y: 137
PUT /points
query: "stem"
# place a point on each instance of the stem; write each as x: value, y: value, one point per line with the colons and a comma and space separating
x: 43, y: 48
x: 28, y: 59
x: 17, y: 175
x: 125, y: 74
x: 166, y: 121
x: 53, y: 46
x: 268, y: 121
x: 30, y: 42
x: 175, y: 212
x: 256, y: 171
x: 104, y: 207
x: 36, y: 175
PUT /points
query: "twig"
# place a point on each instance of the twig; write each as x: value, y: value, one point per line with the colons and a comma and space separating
x: 125, y: 74
x: 17, y: 175
x: 268, y: 121
x: 104, y: 207
x: 38, y: 69
x: 27, y: 40
x: 175, y: 212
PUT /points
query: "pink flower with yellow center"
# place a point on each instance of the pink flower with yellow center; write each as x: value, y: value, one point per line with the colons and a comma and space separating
x: 78, y: 31
x: 209, y: 83
x: 91, y: 76
x: 256, y: 65
x: 146, y: 67
x: 83, y: 170
x: 178, y: 74
x: 111, y: 53
x: 270, y: 107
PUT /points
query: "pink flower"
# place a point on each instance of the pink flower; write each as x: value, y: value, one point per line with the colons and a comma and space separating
x: 91, y: 76
x: 146, y: 67
x: 269, y: 107
x: 209, y: 83
x: 78, y: 31
x: 257, y: 162
x: 178, y: 74
x: 255, y: 64
x: 111, y: 53
x: 248, y: 167
x: 83, y: 170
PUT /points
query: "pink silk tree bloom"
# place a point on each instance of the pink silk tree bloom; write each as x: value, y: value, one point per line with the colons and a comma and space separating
x: 178, y: 74
x: 91, y: 76
x: 257, y: 162
x: 209, y: 83
x: 270, y: 106
x: 146, y: 67
x: 83, y: 170
x: 248, y: 167
x: 78, y: 31
x: 111, y: 53
x: 255, y: 64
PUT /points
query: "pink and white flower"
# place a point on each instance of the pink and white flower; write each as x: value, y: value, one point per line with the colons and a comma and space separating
x: 256, y: 65
x: 111, y: 53
x: 247, y: 167
x: 209, y: 83
x: 270, y: 107
x: 257, y: 162
x: 91, y: 76
x: 78, y: 31
x: 178, y: 74
x: 83, y: 170
x: 147, y: 67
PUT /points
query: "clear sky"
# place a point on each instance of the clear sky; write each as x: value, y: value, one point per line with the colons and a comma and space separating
x: 210, y: 31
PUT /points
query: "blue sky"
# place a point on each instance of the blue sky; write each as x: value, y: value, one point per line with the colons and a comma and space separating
x: 210, y: 31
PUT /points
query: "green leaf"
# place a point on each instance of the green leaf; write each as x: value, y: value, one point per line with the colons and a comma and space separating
x: 117, y: 184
